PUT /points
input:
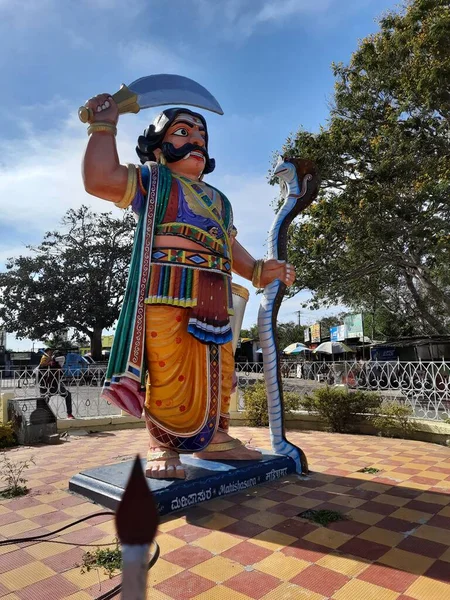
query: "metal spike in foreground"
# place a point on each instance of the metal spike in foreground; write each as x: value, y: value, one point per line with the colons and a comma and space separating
x: 136, y: 523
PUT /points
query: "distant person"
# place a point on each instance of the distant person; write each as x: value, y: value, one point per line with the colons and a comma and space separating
x: 50, y: 382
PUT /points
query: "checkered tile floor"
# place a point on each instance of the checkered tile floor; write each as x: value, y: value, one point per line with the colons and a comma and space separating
x: 393, y: 545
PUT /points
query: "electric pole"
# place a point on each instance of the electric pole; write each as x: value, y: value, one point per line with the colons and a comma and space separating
x: 297, y: 312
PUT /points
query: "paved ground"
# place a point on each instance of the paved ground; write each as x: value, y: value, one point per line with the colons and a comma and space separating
x: 393, y: 545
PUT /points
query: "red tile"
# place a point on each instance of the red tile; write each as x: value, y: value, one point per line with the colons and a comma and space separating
x: 246, y: 553
x: 424, y: 480
x: 84, y: 536
x: 65, y: 561
x: 405, y: 492
x: 444, y: 470
x: 384, y: 576
x: 311, y: 483
x: 10, y: 517
x: 63, y: 503
x: 278, y: 496
x: 378, y: 508
x: 188, y: 556
x: 423, y: 506
x: 423, y: 547
x: 55, y: 587
x: 439, y: 570
x: 96, y: 590
x: 407, y: 470
x: 347, y: 482
x: 189, y: 533
x: 52, y: 518
x: 364, y: 549
x: 286, y: 510
x: 244, y: 529
x: 348, y: 526
x: 185, y: 585
x: 21, y: 503
x: 363, y: 494
x: 320, y: 580
x: 295, y: 527
x: 393, y: 524
x: 319, y: 495
x: 239, y: 512
x: 301, y: 552
x: 252, y: 583
x: 15, y: 559
x: 440, y: 521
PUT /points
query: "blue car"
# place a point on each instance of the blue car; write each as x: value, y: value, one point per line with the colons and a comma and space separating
x: 75, y: 365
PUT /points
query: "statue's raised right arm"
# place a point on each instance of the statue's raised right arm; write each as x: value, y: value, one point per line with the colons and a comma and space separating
x: 103, y: 175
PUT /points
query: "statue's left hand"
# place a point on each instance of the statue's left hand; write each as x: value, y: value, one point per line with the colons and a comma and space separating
x: 277, y: 269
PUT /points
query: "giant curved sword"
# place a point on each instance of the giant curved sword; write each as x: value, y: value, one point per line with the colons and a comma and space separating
x: 302, y: 184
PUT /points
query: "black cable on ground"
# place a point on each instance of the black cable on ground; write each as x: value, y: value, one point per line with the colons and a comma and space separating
x: 43, y: 536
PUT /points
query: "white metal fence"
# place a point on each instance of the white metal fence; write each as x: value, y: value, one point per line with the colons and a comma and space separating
x: 425, y: 386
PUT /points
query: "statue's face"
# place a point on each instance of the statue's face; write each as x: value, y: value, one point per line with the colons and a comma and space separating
x: 187, y: 129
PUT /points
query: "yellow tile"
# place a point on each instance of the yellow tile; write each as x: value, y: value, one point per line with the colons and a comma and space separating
x: 434, y: 534
x: 216, y: 521
x: 281, y: 566
x: 107, y: 527
x: 53, y: 497
x: 347, y: 501
x: 13, y: 529
x: 259, y: 503
x: 391, y: 500
x: 303, y: 502
x: 218, y: 569
x: 446, y: 556
x: 445, y: 512
x: 153, y: 594
x: 78, y: 596
x: 21, y: 577
x: 219, y: 592
x: 7, y: 549
x: 381, y: 536
x: 418, y: 486
x: 291, y: 488
x: 81, y: 510
x: 341, y: 564
x: 289, y: 591
x: 341, y: 490
x: 422, y: 467
x: 45, y: 549
x: 4, y: 509
x: 272, y: 540
x: 35, y: 511
x: 327, y: 537
x: 172, y: 524
x: 266, y: 519
x: 10, y: 597
x: 361, y: 589
x: 217, y: 542
x: 373, y: 487
x: 407, y: 514
x: 425, y: 588
x: 406, y: 561
x: 162, y: 571
x: 168, y: 543
x: 84, y: 580
x: 364, y: 516
x: 443, y: 499
x: 219, y: 504
x: 433, y: 475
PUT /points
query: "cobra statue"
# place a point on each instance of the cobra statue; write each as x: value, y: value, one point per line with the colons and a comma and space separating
x: 299, y: 181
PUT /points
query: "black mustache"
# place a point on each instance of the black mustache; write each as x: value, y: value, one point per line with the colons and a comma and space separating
x: 172, y: 154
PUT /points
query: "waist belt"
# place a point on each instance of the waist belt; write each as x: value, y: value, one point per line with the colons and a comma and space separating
x: 191, y: 258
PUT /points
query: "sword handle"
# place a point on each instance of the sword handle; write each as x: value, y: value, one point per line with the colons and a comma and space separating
x: 125, y: 99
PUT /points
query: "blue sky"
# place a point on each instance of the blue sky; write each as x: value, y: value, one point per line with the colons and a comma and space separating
x: 266, y: 61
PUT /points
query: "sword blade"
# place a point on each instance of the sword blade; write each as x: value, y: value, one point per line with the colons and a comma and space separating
x: 163, y: 89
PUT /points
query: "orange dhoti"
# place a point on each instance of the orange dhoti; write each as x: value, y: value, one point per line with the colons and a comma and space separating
x: 188, y: 383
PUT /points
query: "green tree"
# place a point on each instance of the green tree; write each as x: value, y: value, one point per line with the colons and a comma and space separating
x: 75, y: 279
x: 378, y: 236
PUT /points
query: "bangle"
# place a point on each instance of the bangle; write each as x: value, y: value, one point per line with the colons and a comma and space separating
x: 130, y: 192
x: 102, y: 126
x: 257, y: 271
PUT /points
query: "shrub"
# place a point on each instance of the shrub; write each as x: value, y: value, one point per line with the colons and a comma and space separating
x: 12, y: 474
x: 340, y: 409
x: 255, y: 402
x: 393, y: 419
x: 7, y: 436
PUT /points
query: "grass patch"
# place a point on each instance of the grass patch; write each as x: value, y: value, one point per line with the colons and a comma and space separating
x: 371, y: 470
x: 322, y: 517
x: 15, y: 492
x: 12, y: 473
x: 108, y: 559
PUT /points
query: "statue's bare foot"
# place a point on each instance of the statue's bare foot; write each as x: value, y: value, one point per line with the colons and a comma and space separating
x: 163, y: 463
x: 228, y: 448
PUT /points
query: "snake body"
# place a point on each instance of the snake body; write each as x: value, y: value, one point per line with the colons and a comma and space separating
x: 301, y: 186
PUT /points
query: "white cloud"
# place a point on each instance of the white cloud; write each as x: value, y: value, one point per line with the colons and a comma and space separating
x: 148, y: 56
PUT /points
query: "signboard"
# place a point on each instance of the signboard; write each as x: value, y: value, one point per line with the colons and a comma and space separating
x: 315, y: 333
x: 384, y: 353
x: 307, y: 337
x: 354, y: 325
x: 338, y: 333
x: 20, y: 355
